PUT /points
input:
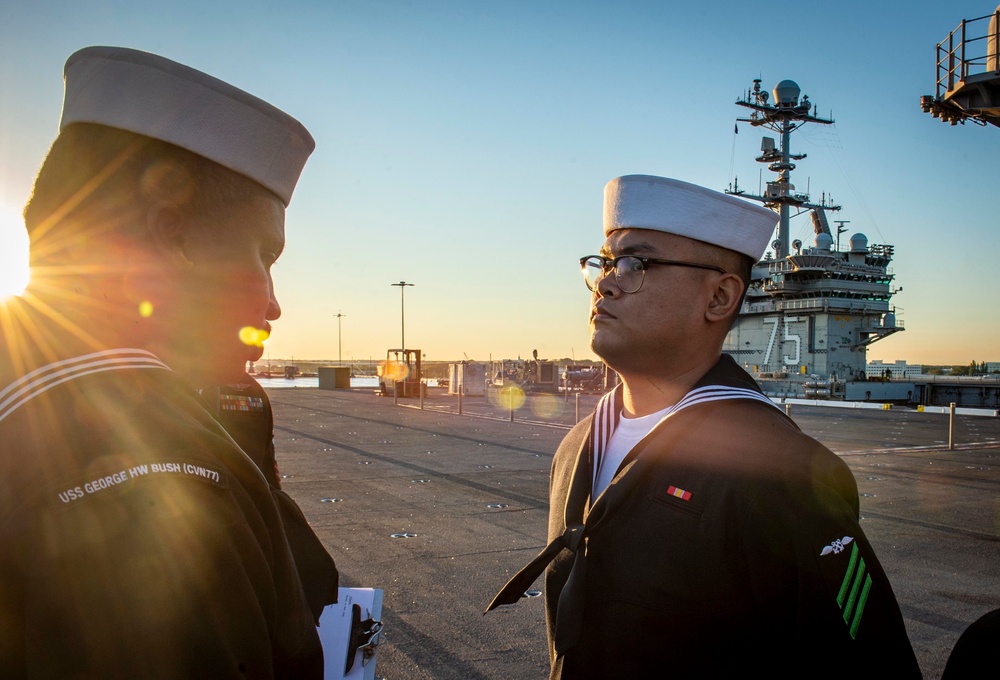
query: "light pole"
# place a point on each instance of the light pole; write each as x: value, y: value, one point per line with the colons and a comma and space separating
x: 402, y: 311
x: 340, y: 360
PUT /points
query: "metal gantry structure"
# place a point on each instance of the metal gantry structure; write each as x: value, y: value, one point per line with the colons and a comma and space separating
x: 968, y: 74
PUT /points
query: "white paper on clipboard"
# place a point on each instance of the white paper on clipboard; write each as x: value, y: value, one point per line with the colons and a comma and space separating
x: 335, y: 629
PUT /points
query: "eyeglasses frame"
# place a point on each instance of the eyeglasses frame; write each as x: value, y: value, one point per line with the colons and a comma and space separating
x: 608, y: 264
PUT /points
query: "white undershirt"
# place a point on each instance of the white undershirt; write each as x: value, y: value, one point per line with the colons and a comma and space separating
x: 629, y: 432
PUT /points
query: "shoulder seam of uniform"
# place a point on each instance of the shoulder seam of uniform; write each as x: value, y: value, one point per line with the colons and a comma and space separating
x: 42, y: 379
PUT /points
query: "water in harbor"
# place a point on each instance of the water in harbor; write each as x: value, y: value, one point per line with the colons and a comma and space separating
x: 361, y: 381
x: 275, y: 382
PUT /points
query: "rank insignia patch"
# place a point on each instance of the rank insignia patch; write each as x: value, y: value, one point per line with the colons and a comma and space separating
x: 855, y: 587
x: 837, y: 546
x: 679, y: 493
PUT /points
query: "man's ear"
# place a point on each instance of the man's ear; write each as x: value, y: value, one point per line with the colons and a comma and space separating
x: 168, y: 227
x: 726, y: 297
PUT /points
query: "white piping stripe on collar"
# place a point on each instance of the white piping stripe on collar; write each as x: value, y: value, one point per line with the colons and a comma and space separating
x: 718, y: 393
x: 608, y: 413
x: 45, y: 378
x: 83, y: 359
x: 606, y: 419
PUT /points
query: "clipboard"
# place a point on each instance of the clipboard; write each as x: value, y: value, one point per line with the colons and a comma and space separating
x: 351, y: 632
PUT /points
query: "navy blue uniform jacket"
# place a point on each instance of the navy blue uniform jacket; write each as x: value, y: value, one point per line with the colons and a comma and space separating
x: 727, y: 545
x: 138, y: 540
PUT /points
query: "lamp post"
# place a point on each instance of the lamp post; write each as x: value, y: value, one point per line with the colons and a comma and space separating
x: 402, y: 311
x: 340, y: 360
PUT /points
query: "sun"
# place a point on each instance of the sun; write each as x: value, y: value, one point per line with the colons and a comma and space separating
x: 13, y: 253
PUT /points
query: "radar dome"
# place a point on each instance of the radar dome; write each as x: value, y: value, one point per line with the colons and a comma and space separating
x: 859, y: 243
x: 889, y: 320
x: 824, y: 241
x: 786, y: 94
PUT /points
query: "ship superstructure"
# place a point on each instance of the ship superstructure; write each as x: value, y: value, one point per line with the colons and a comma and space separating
x: 811, y: 310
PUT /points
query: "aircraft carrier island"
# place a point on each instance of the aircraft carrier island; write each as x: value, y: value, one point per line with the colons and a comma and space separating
x: 811, y: 310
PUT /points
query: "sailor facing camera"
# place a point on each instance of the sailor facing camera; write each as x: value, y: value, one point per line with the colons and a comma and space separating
x: 139, y: 540
x: 694, y: 531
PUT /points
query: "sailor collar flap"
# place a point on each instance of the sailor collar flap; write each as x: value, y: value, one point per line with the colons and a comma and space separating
x: 725, y: 381
x: 581, y: 513
x: 41, y: 380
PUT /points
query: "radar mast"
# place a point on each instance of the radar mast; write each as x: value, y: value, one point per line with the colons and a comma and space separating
x: 784, y: 116
x: 810, y: 311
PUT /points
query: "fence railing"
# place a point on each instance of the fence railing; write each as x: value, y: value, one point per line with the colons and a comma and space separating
x: 969, y: 49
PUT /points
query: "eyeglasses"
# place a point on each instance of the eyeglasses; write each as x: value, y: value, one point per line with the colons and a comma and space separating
x: 630, y: 270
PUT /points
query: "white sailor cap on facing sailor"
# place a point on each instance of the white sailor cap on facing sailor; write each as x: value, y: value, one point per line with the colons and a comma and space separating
x: 661, y: 204
x: 159, y: 98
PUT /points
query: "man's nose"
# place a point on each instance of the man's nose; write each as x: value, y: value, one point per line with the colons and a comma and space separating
x: 273, y: 308
x: 607, y: 285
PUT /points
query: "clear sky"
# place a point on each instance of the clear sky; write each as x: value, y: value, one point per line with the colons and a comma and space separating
x: 463, y: 146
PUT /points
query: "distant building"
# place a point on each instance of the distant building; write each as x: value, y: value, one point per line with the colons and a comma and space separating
x: 898, y: 370
x: 993, y: 366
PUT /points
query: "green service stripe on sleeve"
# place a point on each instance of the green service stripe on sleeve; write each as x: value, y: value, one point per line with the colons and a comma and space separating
x: 859, y: 577
x: 853, y: 597
x: 861, y: 606
x: 848, y: 575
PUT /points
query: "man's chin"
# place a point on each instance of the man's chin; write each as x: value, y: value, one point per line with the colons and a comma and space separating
x: 608, y: 351
x: 600, y: 346
x: 233, y: 367
x: 208, y: 361
x: 236, y: 369
x: 255, y: 353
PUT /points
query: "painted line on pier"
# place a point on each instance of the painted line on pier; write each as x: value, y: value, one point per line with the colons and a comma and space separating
x: 424, y: 430
x: 486, y: 416
x: 974, y: 446
x: 944, y: 528
x: 877, y: 406
x: 534, y: 503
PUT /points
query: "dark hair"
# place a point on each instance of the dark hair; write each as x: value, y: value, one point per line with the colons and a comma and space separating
x: 97, y: 181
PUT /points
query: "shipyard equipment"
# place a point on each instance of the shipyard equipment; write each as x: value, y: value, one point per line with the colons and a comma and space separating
x: 467, y: 378
x: 400, y: 373
x: 585, y: 377
x: 535, y: 375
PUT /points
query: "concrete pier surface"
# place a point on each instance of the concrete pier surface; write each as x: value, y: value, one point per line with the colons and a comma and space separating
x: 467, y: 498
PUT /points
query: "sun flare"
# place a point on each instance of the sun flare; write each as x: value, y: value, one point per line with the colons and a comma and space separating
x: 13, y: 253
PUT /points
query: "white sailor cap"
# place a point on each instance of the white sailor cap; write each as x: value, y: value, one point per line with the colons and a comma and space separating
x: 661, y: 204
x: 159, y: 98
